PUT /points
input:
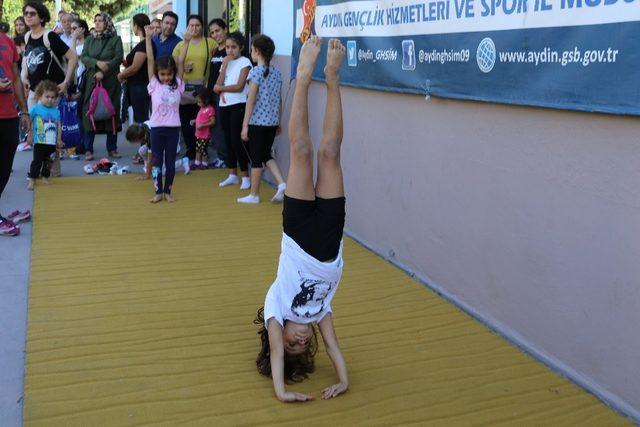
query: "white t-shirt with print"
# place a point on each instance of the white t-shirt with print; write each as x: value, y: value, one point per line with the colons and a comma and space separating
x: 231, y: 77
x: 304, y: 286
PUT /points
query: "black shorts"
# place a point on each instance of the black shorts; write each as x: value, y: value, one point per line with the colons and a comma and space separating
x: 260, y: 142
x: 315, y: 225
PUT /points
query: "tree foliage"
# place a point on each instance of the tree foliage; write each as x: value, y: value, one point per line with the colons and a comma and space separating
x: 85, y: 8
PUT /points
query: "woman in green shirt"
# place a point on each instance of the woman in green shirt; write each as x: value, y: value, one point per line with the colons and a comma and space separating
x: 102, y: 55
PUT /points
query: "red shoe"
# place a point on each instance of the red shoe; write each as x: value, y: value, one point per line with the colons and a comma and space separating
x: 17, y: 217
x: 8, y: 228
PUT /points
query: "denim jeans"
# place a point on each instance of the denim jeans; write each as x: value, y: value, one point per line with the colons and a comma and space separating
x: 89, y: 137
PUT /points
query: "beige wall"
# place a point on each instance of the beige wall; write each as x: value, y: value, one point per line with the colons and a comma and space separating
x: 528, y: 218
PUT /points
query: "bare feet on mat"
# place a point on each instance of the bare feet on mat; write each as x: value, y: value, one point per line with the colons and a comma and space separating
x: 335, y: 58
x: 45, y: 181
x: 169, y: 198
x: 156, y: 198
x: 308, y: 56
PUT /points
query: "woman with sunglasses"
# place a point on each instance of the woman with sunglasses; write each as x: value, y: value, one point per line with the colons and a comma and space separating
x: 44, y: 60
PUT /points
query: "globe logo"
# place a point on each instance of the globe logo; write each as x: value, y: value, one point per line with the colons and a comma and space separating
x: 486, y: 55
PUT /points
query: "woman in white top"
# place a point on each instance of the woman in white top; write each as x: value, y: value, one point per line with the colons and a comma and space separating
x: 310, y: 264
x: 233, y: 90
x: 79, y: 29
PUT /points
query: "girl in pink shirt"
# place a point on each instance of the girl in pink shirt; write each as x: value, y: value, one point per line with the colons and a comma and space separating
x: 203, y: 123
x: 165, y: 87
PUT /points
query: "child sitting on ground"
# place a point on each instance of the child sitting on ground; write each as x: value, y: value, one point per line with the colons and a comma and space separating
x: 45, y: 131
x: 140, y: 133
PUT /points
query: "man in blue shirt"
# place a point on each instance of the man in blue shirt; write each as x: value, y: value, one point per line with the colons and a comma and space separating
x: 167, y: 39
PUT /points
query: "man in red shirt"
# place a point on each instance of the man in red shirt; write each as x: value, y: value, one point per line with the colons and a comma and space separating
x: 11, y: 92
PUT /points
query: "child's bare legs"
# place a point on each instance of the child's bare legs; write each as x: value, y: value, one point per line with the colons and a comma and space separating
x: 272, y: 165
x: 300, y: 178
x: 256, y: 177
x: 329, y: 183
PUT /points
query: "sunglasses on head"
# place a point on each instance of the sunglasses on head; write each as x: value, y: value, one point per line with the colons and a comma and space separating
x: 30, y: 13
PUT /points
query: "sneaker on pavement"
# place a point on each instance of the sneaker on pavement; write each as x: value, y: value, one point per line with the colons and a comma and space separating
x: 8, y: 228
x: 17, y: 217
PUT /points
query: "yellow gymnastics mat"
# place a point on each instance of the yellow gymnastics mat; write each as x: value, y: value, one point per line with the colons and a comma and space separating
x: 141, y: 315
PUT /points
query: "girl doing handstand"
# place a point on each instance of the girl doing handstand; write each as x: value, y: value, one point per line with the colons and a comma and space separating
x: 310, y: 263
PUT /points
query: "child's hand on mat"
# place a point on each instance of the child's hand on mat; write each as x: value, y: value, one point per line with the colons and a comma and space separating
x: 245, y: 133
x: 334, y: 390
x: 290, y: 396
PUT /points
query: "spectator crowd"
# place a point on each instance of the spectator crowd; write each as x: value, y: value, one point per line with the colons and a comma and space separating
x: 205, y: 98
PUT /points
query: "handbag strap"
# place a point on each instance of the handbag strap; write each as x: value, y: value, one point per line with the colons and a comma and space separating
x: 206, y: 62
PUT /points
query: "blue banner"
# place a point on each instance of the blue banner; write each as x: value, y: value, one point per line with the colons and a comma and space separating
x: 568, y: 54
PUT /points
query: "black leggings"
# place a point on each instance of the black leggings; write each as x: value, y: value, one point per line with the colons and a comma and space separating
x: 41, y: 164
x: 260, y: 142
x: 8, y: 146
x: 231, y: 118
x: 164, y: 143
x: 189, y: 112
x: 315, y: 225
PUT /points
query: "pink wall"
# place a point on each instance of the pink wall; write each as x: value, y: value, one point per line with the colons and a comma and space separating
x: 528, y: 218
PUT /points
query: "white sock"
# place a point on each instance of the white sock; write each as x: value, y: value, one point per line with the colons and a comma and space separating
x: 246, y: 183
x: 231, y: 180
x: 185, y: 165
x: 279, y: 196
x: 249, y: 199
x: 197, y: 162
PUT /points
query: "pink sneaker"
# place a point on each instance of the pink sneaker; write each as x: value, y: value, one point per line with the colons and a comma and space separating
x: 8, y: 228
x: 17, y: 217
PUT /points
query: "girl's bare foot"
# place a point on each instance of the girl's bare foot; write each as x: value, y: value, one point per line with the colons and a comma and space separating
x: 156, y: 198
x: 169, y: 198
x: 307, y: 59
x: 31, y: 184
x: 335, y: 58
x: 45, y: 181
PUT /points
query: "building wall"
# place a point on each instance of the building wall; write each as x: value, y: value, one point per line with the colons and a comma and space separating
x: 527, y: 218
x: 277, y: 23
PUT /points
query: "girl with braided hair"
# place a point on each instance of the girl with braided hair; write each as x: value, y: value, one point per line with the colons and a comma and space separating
x: 262, y: 114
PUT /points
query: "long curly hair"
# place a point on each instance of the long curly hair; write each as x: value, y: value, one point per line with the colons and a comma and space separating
x: 296, y: 368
